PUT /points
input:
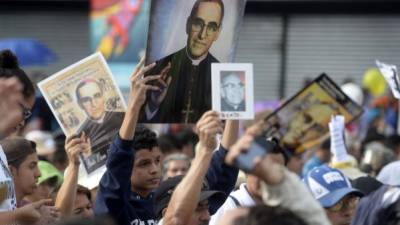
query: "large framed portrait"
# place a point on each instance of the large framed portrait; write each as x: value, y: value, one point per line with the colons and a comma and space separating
x: 87, y: 103
x: 185, y: 38
x: 233, y: 90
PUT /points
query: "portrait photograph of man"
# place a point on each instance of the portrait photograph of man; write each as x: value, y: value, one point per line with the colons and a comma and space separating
x: 101, y: 124
x: 233, y: 90
x: 87, y: 103
x: 185, y: 38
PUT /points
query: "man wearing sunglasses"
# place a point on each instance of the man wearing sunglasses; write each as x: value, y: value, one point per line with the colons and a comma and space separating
x: 100, y: 125
x: 185, y: 91
x: 334, y: 192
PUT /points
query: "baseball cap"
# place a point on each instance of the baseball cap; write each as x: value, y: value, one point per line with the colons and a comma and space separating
x: 163, y: 194
x: 329, y: 185
x: 49, y: 171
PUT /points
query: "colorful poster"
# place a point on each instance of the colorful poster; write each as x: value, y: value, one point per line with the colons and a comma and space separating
x: 185, y: 38
x: 118, y: 29
x: 302, y: 121
x: 86, y: 102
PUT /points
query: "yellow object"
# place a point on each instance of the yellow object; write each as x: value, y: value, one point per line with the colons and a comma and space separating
x: 374, y: 82
x: 106, y: 46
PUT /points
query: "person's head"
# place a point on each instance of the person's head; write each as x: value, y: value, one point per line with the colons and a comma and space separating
x: 169, y: 144
x: 203, y: 26
x: 200, y: 216
x: 175, y: 165
x: 295, y: 162
x: 146, y: 173
x: 9, y: 68
x: 334, y: 192
x: 263, y: 214
x: 324, y: 151
x: 232, y: 89
x: 23, y: 163
x: 309, y: 124
x: 90, y: 97
x: 49, y: 181
x: 83, y: 203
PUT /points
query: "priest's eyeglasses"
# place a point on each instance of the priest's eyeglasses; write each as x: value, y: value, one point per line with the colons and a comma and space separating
x: 198, y: 25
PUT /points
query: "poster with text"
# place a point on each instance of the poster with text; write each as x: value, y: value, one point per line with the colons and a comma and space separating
x: 87, y: 103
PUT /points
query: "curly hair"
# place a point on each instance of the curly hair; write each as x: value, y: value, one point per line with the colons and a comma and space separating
x: 144, y: 138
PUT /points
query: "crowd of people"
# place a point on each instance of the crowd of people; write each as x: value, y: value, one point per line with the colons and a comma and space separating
x: 189, y: 175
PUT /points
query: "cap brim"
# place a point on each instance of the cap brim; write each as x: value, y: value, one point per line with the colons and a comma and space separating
x: 332, y: 198
x: 208, y: 194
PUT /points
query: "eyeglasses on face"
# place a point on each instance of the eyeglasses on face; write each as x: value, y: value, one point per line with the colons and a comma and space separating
x: 233, y: 86
x: 26, y: 113
x: 345, y: 203
x: 88, y: 99
x: 198, y: 25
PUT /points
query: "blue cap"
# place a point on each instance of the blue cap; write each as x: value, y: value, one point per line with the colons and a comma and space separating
x: 329, y: 185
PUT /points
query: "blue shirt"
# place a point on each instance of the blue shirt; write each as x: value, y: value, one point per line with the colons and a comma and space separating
x: 115, y: 197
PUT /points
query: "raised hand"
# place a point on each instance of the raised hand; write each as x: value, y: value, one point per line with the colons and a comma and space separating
x: 30, y: 213
x: 139, y: 84
x: 208, y: 126
x: 74, y: 146
x: 157, y: 97
x: 265, y: 168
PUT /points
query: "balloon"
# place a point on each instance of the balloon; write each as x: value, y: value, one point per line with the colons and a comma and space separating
x: 374, y: 82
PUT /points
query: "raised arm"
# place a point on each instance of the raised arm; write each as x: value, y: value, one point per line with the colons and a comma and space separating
x: 115, y: 188
x: 231, y: 133
x: 185, y: 198
x: 220, y: 176
x: 66, y: 195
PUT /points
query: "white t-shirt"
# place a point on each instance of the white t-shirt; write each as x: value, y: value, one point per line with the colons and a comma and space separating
x: 10, y: 203
x: 241, y: 195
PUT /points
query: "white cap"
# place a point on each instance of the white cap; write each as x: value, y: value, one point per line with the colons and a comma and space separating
x: 45, y: 143
x: 354, y: 92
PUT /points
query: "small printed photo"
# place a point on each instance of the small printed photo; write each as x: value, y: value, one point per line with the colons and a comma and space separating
x: 232, y: 90
x: 87, y: 103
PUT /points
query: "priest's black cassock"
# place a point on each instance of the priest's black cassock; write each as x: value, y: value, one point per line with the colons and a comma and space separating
x: 189, y: 93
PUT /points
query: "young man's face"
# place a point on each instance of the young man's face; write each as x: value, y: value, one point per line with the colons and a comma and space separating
x: 203, y: 29
x: 342, y: 212
x: 83, y: 206
x: 92, y: 100
x: 201, y: 215
x: 26, y: 176
x: 146, y: 173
